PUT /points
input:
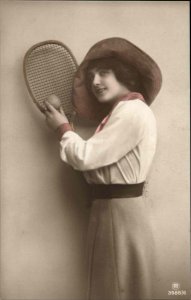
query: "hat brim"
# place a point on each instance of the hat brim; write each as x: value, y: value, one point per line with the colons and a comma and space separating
x: 128, y: 53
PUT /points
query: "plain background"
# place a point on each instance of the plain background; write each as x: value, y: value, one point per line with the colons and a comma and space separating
x: 44, y: 212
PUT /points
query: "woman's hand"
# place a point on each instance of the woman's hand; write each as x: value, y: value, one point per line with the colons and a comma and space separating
x: 54, y: 118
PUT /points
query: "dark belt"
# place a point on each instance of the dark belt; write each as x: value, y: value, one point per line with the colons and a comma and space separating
x: 105, y: 191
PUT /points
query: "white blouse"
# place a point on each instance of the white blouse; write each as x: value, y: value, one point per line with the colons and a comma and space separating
x: 122, y: 152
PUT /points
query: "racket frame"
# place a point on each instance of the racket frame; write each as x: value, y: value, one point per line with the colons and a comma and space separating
x: 25, y: 72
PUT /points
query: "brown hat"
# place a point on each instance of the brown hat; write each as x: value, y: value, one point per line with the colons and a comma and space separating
x: 129, y: 54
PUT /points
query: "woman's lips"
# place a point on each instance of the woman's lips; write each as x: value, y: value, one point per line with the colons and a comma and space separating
x: 99, y: 91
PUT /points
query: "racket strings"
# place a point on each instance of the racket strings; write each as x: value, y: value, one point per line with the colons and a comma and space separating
x: 50, y: 70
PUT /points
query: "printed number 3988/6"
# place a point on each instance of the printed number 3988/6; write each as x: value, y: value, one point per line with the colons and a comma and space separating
x: 180, y: 293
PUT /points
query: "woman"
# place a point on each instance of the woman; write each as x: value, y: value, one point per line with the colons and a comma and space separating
x: 116, y: 83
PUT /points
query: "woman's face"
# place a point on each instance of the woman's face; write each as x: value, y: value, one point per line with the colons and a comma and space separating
x: 105, y: 86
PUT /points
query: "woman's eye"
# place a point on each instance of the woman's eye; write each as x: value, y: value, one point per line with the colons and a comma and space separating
x: 103, y: 72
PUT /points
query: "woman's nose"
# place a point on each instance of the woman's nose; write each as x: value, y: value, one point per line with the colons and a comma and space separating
x: 96, y: 79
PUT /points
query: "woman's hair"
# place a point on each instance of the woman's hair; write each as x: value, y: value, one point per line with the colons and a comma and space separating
x: 125, y: 74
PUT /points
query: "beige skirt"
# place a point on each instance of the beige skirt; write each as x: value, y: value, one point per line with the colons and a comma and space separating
x: 120, y: 248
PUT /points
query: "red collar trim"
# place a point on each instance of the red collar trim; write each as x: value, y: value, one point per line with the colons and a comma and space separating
x: 132, y: 96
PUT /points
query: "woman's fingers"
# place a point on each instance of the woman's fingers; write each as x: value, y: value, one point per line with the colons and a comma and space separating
x: 48, y: 113
x: 50, y: 107
x: 62, y: 111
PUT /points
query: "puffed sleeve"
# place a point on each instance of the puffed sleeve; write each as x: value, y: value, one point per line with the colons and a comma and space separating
x: 122, y: 132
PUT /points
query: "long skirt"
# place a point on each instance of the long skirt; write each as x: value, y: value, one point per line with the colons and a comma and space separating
x: 120, y: 250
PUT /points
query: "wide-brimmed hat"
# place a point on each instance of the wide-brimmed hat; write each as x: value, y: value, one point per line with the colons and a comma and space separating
x: 150, y: 74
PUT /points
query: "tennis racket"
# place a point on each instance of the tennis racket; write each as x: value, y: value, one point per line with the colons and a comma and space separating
x: 49, y: 69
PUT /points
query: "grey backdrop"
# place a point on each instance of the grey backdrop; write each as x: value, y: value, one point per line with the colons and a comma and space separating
x: 43, y: 202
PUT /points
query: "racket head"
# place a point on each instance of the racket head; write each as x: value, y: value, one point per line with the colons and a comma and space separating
x: 49, y: 68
